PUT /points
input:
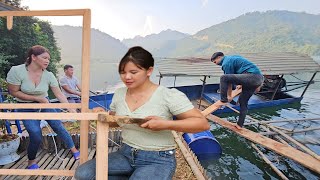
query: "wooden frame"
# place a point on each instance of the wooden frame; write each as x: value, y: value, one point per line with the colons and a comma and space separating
x: 102, y: 128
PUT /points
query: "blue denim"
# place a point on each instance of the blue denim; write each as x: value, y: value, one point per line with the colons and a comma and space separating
x: 74, y: 100
x: 249, y: 82
x: 131, y: 163
x: 35, y: 133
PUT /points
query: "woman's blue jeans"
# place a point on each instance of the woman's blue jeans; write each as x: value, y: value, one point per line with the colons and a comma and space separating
x: 35, y: 133
x: 249, y: 82
x: 131, y: 163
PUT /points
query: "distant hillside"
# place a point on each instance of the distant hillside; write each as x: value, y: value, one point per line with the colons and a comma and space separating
x: 156, y: 42
x: 104, y: 48
x: 271, y: 31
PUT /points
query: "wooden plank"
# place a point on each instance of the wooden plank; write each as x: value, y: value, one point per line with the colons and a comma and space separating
x: 14, y: 165
x: 9, y: 22
x: 45, y: 164
x: 67, y: 12
x: 8, y: 166
x: 102, y: 150
x: 215, y: 107
x: 104, y: 116
x: 18, y: 165
x: 85, y: 81
x: 26, y: 172
x: 61, y: 164
x: 25, y: 164
x: 283, y: 149
x: 39, y: 105
x: 43, y: 160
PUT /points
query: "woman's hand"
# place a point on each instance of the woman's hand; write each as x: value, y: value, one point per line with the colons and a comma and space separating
x: 42, y: 100
x: 156, y: 123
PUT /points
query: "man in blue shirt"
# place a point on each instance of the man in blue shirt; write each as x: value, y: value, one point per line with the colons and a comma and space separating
x: 238, y: 71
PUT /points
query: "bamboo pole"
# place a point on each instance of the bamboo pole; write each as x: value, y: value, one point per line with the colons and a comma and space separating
x: 85, y: 81
x: 195, y: 169
x: 284, y: 135
x: 296, y: 143
x: 292, y: 132
x: 269, y: 162
x: 284, y: 120
x: 283, y: 149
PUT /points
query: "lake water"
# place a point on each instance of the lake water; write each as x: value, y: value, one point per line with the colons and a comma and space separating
x: 239, y: 159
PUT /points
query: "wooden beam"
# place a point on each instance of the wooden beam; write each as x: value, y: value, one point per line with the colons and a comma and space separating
x: 49, y: 116
x: 102, y: 150
x: 67, y: 12
x: 283, y: 149
x: 27, y: 172
x: 9, y: 22
x: 215, y: 107
x: 78, y: 116
x: 39, y: 105
x: 85, y: 82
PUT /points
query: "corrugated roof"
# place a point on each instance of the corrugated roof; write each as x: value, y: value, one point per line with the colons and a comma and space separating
x: 7, y: 7
x: 269, y: 64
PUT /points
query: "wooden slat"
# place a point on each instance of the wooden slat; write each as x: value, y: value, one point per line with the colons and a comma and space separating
x: 103, y: 116
x: 41, y: 159
x: 49, y: 116
x: 67, y: 12
x: 283, y: 149
x: 39, y: 105
x: 85, y: 81
x: 9, y: 22
x: 37, y: 172
x: 102, y: 150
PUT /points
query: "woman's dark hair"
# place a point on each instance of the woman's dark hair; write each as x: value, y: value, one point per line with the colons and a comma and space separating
x: 35, y: 50
x: 138, y: 56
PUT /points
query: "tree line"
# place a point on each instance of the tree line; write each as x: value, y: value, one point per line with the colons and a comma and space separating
x: 26, y: 32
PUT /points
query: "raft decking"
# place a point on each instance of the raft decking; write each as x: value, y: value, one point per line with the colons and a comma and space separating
x: 49, y: 161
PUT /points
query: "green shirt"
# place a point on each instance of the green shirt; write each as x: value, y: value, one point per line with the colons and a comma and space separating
x: 164, y: 103
x: 18, y: 75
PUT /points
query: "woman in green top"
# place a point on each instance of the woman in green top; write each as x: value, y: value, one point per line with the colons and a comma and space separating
x: 30, y: 83
x: 148, y: 150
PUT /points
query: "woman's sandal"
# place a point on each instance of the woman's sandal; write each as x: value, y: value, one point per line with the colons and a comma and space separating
x: 33, y: 166
x: 76, y: 155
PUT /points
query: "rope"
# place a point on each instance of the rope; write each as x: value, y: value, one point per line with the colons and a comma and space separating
x: 54, y: 142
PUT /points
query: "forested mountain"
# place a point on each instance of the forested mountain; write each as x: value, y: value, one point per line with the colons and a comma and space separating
x: 155, y: 42
x: 104, y: 48
x: 270, y: 31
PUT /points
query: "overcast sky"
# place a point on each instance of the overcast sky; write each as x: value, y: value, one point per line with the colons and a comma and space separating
x: 128, y: 18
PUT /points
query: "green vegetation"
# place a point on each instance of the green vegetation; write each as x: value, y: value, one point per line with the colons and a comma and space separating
x: 26, y: 32
x: 271, y: 31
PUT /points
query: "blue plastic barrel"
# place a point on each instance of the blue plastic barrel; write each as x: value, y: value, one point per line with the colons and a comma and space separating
x: 203, y: 144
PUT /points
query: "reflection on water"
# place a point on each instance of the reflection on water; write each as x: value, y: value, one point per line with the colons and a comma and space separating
x: 241, y: 161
